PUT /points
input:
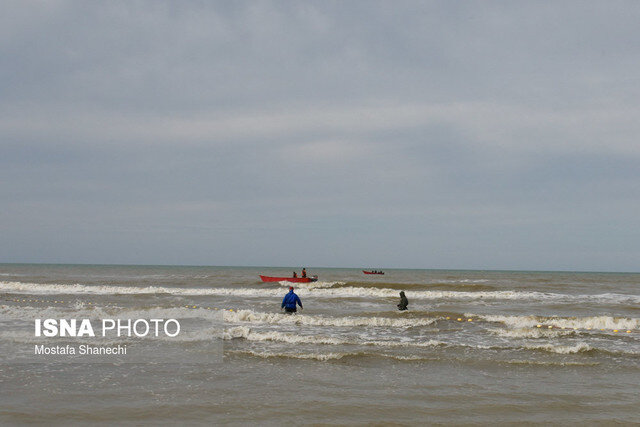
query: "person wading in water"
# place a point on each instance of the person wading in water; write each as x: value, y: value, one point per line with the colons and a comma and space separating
x: 289, y: 302
x: 404, y: 302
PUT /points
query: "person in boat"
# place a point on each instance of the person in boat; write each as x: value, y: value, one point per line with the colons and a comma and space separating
x: 290, y: 301
x: 304, y: 272
x: 295, y: 274
x: 404, y: 302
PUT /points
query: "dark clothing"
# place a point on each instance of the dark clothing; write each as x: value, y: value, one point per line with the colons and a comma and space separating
x: 290, y: 310
x: 304, y: 273
x: 290, y: 300
x: 404, y: 302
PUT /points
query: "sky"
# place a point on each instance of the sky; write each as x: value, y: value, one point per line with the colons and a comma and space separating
x: 380, y: 134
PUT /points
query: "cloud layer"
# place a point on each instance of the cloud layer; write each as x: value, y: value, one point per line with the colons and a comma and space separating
x: 421, y: 134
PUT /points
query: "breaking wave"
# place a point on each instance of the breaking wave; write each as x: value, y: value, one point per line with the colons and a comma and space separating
x: 595, y: 322
x: 80, y: 310
x: 561, y: 349
x: 260, y: 317
x: 320, y: 292
x: 311, y: 285
x: 293, y: 338
x: 324, y: 357
x: 448, y: 285
x: 531, y: 333
x: 306, y: 356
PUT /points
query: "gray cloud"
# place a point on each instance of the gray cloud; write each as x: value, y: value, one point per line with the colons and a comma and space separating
x: 425, y: 134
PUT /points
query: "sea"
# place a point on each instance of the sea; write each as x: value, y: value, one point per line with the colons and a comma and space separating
x: 474, y: 347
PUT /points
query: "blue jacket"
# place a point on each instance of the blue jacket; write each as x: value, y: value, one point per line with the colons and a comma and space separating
x: 290, y: 300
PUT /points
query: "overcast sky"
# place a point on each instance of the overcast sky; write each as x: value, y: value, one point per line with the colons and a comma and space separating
x: 446, y: 134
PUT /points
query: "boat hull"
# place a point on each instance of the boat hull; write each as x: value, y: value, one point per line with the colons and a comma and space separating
x: 289, y: 279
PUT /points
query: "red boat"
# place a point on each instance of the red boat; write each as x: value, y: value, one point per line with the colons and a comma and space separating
x: 289, y: 279
x: 372, y: 272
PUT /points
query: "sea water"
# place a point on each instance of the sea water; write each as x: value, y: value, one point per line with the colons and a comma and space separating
x: 474, y: 346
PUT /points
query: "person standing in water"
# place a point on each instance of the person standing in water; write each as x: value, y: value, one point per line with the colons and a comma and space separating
x: 289, y: 302
x: 404, y: 302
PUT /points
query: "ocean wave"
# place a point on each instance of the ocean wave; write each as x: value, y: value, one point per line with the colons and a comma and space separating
x: 333, y: 356
x: 452, y: 285
x: 547, y: 363
x: 310, y: 285
x: 532, y: 333
x: 205, y: 335
x: 294, y: 338
x: 323, y: 357
x: 246, y: 333
x: 79, y: 310
x: 28, y: 337
x: 581, y: 347
x: 343, y: 292
x: 564, y: 348
x: 94, y: 312
x: 594, y: 322
x: 303, y: 319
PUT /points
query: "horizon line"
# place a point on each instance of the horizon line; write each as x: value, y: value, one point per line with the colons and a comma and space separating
x: 321, y: 267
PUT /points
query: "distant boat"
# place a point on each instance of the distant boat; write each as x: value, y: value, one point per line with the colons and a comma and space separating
x: 289, y: 279
x: 372, y: 272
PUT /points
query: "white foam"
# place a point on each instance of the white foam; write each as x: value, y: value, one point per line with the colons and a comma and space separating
x: 320, y: 290
x: 97, y: 312
x: 293, y: 338
x: 310, y: 285
x: 595, y: 322
x: 344, y: 292
x: 353, y: 292
x: 561, y: 349
x: 547, y: 363
x: 28, y: 337
x: 305, y: 356
x: 323, y: 357
x: 79, y: 310
x: 246, y: 333
x: 531, y: 333
x: 302, y: 319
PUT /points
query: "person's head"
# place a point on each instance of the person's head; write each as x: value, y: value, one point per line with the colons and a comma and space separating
x: 291, y: 288
x: 401, y: 293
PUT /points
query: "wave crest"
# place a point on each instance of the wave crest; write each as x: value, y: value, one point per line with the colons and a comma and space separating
x: 324, y: 290
x: 594, y: 322
x: 303, y: 319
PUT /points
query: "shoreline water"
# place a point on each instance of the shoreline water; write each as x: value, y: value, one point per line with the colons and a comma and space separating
x: 535, y: 347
